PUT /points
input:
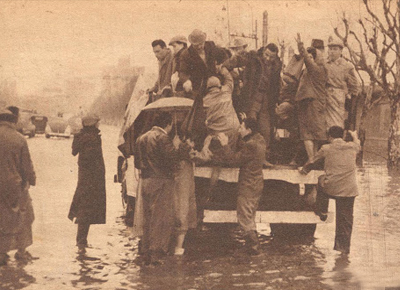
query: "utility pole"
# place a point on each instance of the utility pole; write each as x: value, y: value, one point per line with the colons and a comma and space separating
x: 265, y: 29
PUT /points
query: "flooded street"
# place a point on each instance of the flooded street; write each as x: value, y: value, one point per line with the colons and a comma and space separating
x: 209, y: 263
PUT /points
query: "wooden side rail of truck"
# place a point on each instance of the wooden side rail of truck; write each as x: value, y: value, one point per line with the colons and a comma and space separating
x: 286, y: 203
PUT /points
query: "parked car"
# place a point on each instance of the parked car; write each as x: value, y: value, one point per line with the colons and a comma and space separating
x: 40, y: 123
x: 25, y: 125
x: 57, y: 127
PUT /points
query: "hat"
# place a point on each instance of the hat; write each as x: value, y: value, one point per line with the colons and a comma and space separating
x: 335, y: 42
x: 317, y: 43
x: 238, y: 42
x: 178, y: 38
x: 213, y: 82
x: 4, y: 111
x: 284, y: 110
x: 90, y: 120
x: 197, y: 36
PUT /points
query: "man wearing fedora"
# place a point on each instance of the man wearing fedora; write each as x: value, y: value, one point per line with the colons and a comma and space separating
x: 162, y: 87
x: 342, y: 84
x: 179, y: 45
x: 199, y: 62
x: 236, y: 65
x: 16, y: 176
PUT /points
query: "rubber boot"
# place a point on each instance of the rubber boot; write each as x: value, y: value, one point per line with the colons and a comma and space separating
x: 252, y: 243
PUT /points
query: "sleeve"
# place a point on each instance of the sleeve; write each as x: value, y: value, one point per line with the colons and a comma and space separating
x: 312, y: 67
x: 239, y: 158
x: 353, y: 85
x: 320, y: 155
x: 28, y: 173
x: 75, y: 146
x: 228, y: 80
x: 184, y: 67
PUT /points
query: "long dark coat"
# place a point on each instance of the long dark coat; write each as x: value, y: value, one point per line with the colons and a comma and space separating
x: 89, y: 202
x: 16, y: 172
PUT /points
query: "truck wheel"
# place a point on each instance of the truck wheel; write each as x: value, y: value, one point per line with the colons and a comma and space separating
x: 290, y: 231
x: 47, y: 136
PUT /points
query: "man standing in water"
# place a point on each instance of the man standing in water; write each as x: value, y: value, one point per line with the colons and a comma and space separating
x: 339, y: 183
x: 250, y: 159
x: 16, y: 176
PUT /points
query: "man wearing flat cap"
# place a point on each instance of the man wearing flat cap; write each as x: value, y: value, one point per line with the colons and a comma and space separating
x: 16, y: 176
x: 199, y: 62
x: 311, y: 99
x: 342, y: 84
x: 179, y: 45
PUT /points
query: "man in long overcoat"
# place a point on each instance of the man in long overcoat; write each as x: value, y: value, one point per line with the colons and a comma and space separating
x: 89, y: 202
x: 157, y: 158
x: 16, y: 175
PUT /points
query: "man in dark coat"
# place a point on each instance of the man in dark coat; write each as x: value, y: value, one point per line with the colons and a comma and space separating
x: 157, y: 158
x: 89, y: 202
x: 16, y: 175
x: 251, y: 63
x: 250, y: 159
x: 199, y: 62
x: 267, y: 95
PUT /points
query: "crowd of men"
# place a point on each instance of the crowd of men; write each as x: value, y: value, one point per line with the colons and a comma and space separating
x: 241, y: 99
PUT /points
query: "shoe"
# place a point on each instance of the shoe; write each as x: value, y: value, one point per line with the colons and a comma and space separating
x: 252, y: 244
x: 322, y: 215
x: 24, y: 256
x: 3, y: 259
x: 179, y: 251
x: 267, y: 164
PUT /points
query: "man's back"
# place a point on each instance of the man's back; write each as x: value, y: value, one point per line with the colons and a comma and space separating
x: 340, y: 167
x: 155, y: 154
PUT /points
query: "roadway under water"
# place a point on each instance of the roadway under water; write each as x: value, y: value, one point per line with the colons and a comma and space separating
x: 210, y: 261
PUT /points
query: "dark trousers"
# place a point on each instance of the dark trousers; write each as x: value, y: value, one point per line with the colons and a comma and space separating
x: 344, y: 217
x: 81, y: 236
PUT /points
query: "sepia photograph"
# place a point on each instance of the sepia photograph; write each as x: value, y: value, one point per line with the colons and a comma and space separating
x: 200, y: 144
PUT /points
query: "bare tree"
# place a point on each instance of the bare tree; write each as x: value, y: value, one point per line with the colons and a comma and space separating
x: 376, y: 51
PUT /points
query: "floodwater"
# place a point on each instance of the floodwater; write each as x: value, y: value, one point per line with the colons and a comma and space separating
x: 210, y: 261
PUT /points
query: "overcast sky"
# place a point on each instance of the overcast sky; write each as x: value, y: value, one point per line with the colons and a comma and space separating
x: 53, y: 40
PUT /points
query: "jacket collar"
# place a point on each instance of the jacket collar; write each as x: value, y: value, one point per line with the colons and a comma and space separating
x: 156, y: 128
x: 166, y: 59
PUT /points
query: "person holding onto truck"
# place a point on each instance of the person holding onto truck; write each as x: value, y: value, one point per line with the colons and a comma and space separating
x: 249, y: 158
x: 338, y: 182
x: 162, y: 88
x: 157, y: 157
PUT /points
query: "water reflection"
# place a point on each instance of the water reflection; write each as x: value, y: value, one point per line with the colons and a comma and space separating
x: 14, y: 276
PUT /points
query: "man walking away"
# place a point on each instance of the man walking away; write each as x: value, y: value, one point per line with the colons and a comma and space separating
x: 16, y: 175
